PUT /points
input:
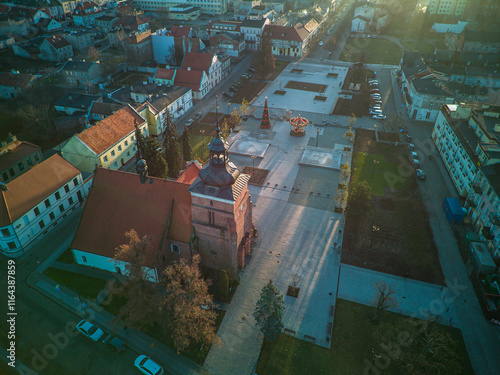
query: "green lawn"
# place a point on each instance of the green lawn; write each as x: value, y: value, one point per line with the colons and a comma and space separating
x: 378, y: 176
x: 115, y: 304
x: 199, y: 146
x: 422, y: 47
x: 66, y: 257
x: 86, y: 286
x: 371, y: 51
x: 354, y: 337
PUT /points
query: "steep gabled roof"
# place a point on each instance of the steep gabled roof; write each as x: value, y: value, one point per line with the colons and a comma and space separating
x: 34, y: 186
x: 180, y: 31
x: 112, y: 129
x: 296, y: 34
x: 16, y: 154
x: 119, y: 202
x: 21, y: 80
x: 190, y: 174
x: 189, y: 78
x: 197, y: 61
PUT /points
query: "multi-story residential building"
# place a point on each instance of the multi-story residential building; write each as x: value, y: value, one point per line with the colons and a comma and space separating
x: 82, y: 40
x: 205, y: 6
x: 483, y: 208
x: 207, y: 62
x: 169, y: 47
x: 139, y: 47
x: 253, y: 29
x: 197, y: 80
x: 86, y: 12
x: 56, y: 48
x: 105, y: 23
x: 17, y: 157
x: 164, y: 76
x: 68, y: 6
x: 243, y: 7
x: 226, y: 27
x: 288, y: 41
x: 447, y: 7
x: 479, y: 41
x: 36, y: 202
x: 12, y: 84
x: 48, y: 25
x: 82, y: 72
x: 138, y: 23
x: 466, y: 140
x: 109, y: 144
x: 232, y: 44
x: 177, y: 100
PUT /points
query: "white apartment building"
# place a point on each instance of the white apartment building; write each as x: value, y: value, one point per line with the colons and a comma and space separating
x: 38, y: 200
x: 483, y: 208
x: 447, y: 7
x: 206, y: 6
x: 253, y: 29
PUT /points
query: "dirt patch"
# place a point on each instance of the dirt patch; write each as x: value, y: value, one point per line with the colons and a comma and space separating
x: 357, y: 105
x: 389, y: 137
x: 306, y: 86
x: 394, y: 235
x: 258, y: 176
x: 248, y: 91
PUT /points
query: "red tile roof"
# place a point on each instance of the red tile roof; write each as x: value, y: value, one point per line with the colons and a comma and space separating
x: 34, y: 186
x: 295, y: 34
x: 58, y: 41
x: 189, y: 78
x: 112, y: 129
x: 118, y: 202
x: 20, y: 80
x: 17, y: 153
x: 190, y: 174
x: 180, y: 31
x: 197, y: 61
x: 164, y: 73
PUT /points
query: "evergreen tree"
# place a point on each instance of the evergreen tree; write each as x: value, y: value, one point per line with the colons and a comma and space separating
x: 173, y: 153
x: 264, y: 60
x: 157, y: 165
x: 265, y: 123
x: 186, y: 144
x: 269, y: 311
x: 140, y: 142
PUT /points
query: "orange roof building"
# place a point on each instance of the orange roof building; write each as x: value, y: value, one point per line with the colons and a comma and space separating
x: 109, y: 144
x: 36, y: 201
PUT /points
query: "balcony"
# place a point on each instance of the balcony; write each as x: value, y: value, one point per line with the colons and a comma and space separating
x: 487, y: 233
x: 471, y: 203
x: 477, y: 189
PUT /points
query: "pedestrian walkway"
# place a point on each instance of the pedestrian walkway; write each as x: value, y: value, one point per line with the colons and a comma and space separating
x: 415, y: 298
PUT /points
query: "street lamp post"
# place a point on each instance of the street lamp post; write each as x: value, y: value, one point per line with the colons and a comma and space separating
x: 253, y: 162
x: 317, y: 136
x: 375, y: 228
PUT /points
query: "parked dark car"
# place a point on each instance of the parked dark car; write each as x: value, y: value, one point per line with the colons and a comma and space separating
x: 232, y: 88
x: 227, y: 94
x: 114, y: 343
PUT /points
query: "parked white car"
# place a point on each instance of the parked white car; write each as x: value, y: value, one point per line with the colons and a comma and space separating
x: 90, y: 330
x: 379, y: 117
x: 147, y: 366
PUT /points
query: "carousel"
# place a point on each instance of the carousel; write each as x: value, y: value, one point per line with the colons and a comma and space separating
x: 298, y: 124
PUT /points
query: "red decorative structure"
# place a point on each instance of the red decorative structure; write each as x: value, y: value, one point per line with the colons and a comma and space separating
x: 298, y: 124
x: 265, y: 123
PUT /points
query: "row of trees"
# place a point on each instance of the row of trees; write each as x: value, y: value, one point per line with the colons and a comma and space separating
x: 178, y: 306
x: 169, y: 159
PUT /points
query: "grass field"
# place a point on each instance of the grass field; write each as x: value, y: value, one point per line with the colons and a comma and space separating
x: 86, y: 286
x: 377, y: 172
x: 422, y: 47
x: 66, y: 257
x: 199, y: 146
x: 371, y: 51
x: 248, y: 91
x: 354, y: 337
x: 279, y: 66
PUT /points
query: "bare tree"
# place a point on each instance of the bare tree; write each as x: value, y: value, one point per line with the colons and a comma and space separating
x: 349, y: 134
x: 94, y: 54
x: 384, y: 298
x: 296, y: 279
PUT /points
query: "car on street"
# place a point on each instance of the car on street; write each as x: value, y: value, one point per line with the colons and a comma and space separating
x: 198, y: 115
x: 375, y: 96
x: 376, y: 102
x: 376, y: 108
x: 147, y: 366
x: 227, y: 95
x: 90, y: 330
x: 114, y: 343
x: 411, y: 146
x: 320, y: 43
x: 379, y: 117
x: 373, y: 81
x: 251, y: 70
x: 234, y: 89
x: 415, y: 162
x: 189, y: 122
x: 414, y: 155
x: 245, y: 76
x: 407, y: 137
x: 420, y: 174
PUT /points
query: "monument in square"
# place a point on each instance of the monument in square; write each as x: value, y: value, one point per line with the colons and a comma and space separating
x: 298, y: 124
x: 265, y: 123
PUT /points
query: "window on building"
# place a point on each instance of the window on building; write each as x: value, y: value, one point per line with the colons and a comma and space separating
x: 126, y: 143
x: 47, y: 203
x: 132, y: 138
x: 66, y: 188
x: 70, y: 201
x: 20, y: 166
x: 211, y: 217
x: 105, y: 159
x: 41, y: 224
x: 84, y: 259
x: 175, y: 249
x: 57, y: 195
x: 52, y: 216
x: 115, y: 164
x: 6, y: 232
x: 5, y: 176
x: 61, y: 208
x: 29, y: 161
x: 36, y: 211
x: 113, y: 153
x: 11, y: 245
x: 128, y: 154
x: 119, y: 148
x: 75, y: 182
x: 11, y: 172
